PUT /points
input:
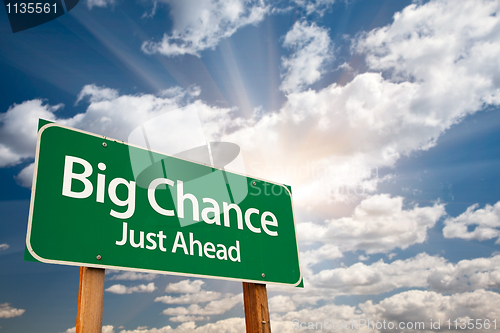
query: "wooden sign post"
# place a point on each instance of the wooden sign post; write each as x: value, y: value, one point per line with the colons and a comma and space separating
x: 91, y: 294
x: 256, y: 308
x: 90, y: 299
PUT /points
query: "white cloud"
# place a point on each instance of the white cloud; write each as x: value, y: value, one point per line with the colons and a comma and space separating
x: 486, y: 221
x: 412, y: 306
x: 200, y: 25
x: 198, y: 297
x: 315, y: 6
x: 105, y: 329
x: 466, y: 275
x: 152, y: 12
x: 183, y: 318
x: 281, y: 303
x: 435, y: 64
x: 213, y: 308
x: 18, y: 130
x: 132, y: 276
x: 25, y: 177
x: 186, y: 327
x: 312, y: 257
x: 364, y: 258
x: 329, y: 144
x: 99, y: 3
x: 378, y: 277
x: 439, y: 42
x: 311, y: 47
x: 185, y: 287
x: 6, y: 311
x: 108, y: 114
x: 121, y: 289
x: 97, y: 94
x: 116, y: 116
x: 230, y: 325
x: 192, y: 295
x: 422, y: 271
x: 4, y: 246
x: 422, y: 306
x: 378, y: 224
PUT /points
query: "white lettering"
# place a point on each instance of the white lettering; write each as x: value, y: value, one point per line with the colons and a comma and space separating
x: 129, y: 202
x: 222, y: 253
x: 192, y: 242
x: 69, y: 175
x: 207, y: 248
x: 214, y: 209
x: 151, y: 196
x: 249, y: 212
x: 237, y: 249
x: 141, y: 239
x: 124, y: 235
x: 149, y: 238
x: 180, y: 201
x: 265, y: 223
x: 179, y: 242
x: 161, y: 237
x: 237, y: 209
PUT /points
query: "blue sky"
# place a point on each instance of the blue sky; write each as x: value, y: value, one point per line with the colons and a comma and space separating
x: 381, y: 115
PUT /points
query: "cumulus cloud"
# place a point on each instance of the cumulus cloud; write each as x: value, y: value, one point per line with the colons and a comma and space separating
x: 315, y: 6
x: 378, y: 224
x: 99, y: 3
x: 414, y: 306
x: 486, y: 222
x: 96, y: 94
x: 378, y: 277
x: 18, y: 130
x: 25, y: 177
x: 183, y: 318
x: 218, y: 303
x: 422, y: 306
x: 4, y: 246
x: 185, y: 286
x: 435, y: 64
x: 216, y: 307
x: 466, y: 275
x: 132, y: 276
x: 6, y: 311
x: 312, y: 257
x: 198, y: 297
x: 200, y: 25
x: 427, y: 70
x: 230, y: 325
x: 108, y: 113
x: 311, y: 50
x: 281, y: 303
x: 421, y: 271
x: 105, y: 329
x: 121, y: 289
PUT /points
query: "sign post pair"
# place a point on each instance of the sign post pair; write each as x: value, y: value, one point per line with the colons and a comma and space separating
x: 102, y: 203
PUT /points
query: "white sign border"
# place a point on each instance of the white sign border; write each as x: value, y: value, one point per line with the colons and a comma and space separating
x: 71, y: 263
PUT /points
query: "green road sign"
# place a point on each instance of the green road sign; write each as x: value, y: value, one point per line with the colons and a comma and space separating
x: 100, y: 202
